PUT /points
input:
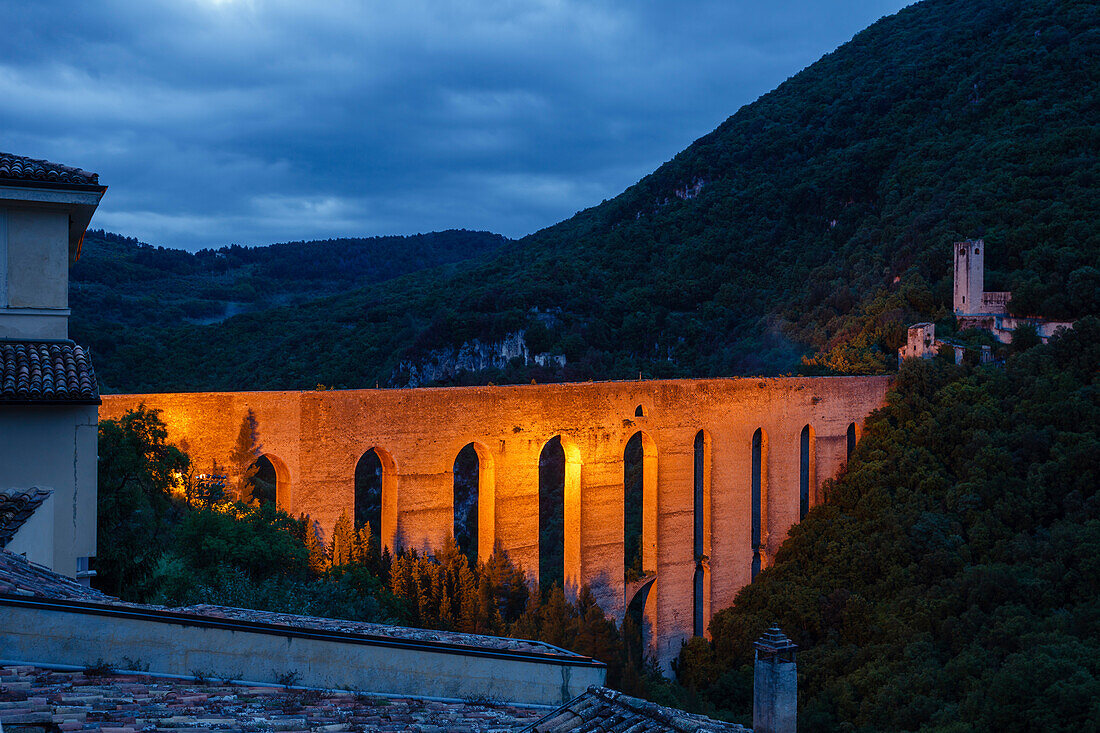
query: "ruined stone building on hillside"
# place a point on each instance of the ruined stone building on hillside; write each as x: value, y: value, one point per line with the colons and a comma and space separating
x: 974, y: 307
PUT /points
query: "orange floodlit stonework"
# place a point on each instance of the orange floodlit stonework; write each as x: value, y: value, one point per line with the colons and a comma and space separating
x: 710, y: 447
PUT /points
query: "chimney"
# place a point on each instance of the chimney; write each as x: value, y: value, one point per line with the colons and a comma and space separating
x: 774, y: 684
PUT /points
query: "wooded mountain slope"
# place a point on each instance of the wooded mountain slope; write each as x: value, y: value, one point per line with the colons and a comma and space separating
x: 124, y: 293
x: 817, y: 219
x: 951, y: 581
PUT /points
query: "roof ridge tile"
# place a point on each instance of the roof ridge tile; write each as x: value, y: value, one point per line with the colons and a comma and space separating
x: 22, y: 168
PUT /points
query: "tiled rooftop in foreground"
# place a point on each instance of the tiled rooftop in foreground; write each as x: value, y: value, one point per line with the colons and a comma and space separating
x: 19, y: 577
x: 601, y: 709
x: 83, y: 692
x: 49, y: 619
x: 116, y: 703
x: 16, y: 508
x: 21, y: 168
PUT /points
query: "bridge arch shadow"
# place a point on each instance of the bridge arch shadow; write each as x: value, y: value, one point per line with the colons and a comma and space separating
x: 639, y: 506
x: 473, y: 501
x: 269, y: 482
x: 701, y: 531
x: 375, y: 495
x: 759, y: 493
x: 807, y: 470
x: 851, y: 436
x: 639, y: 614
x: 559, y: 539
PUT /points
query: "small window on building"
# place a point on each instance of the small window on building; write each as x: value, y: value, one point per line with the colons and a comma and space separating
x: 639, y: 411
x: 962, y: 250
x: 975, y: 250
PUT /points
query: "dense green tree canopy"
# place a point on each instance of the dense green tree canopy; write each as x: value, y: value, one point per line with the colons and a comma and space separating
x: 951, y: 581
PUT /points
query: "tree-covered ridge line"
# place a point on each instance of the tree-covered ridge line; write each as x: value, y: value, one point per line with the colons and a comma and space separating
x: 123, y: 291
x: 817, y: 220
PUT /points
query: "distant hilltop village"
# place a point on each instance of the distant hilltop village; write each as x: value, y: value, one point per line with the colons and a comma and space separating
x: 974, y: 308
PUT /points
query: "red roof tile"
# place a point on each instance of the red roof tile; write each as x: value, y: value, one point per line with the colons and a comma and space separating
x: 104, y: 701
x: 19, y: 168
x: 16, y: 509
x: 46, y: 371
x: 18, y: 577
x: 601, y: 709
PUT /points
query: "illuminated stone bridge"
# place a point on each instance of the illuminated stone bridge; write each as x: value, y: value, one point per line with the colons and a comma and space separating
x: 728, y: 465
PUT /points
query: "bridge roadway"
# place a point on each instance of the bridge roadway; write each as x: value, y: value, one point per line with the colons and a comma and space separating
x: 698, y: 500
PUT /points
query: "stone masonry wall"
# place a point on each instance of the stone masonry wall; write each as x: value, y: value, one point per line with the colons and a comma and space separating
x: 318, y: 437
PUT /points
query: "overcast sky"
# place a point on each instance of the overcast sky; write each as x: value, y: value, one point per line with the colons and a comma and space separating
x: 251, y: 122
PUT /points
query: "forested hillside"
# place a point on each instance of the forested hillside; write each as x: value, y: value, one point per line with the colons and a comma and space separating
x: 124, y: 292
x: 817, y: 220
x: 951, y: 581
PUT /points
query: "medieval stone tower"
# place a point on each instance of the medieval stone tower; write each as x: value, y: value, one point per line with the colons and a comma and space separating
x: 969, y: 276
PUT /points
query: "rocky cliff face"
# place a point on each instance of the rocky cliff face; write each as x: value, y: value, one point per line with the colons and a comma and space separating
x: 472, y: 356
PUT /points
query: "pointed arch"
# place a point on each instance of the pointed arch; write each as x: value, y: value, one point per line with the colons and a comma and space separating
x: 269, y: 481
x: 473, y: 501
x: 375, y: 500
x: 759, y: 492
x: 701, y: 538
x: 639, y: 506
x: 559, y: 513
x: 807, y: 480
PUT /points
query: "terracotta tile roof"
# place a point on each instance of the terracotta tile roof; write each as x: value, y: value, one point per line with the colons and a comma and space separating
x: 33, y: 697
x: 16, y: 167
x: 21, y: 578
x: 17, y: 508
x: 46, y: 371
x: 601, y: 709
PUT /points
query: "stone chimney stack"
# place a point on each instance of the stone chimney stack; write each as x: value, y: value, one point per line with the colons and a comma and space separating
x: 774, y: 684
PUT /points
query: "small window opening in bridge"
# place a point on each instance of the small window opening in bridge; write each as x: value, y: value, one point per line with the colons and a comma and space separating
x: 639, y: 411
x: 552, y: 515
x: 759, y: 453
x: 264, y: 481
x: 805, y: 470
x: 466, y: 485
x: 639, y: 506
x: 701, y: 531
x: 369, y: 474
x: 851, y: 439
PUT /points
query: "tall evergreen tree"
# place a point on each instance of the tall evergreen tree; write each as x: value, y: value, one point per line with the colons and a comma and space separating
x: 342, y: 549
x: 242, y: 458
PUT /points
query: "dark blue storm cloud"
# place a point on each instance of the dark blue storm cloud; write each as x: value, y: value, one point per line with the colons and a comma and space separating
x: 247, y: 121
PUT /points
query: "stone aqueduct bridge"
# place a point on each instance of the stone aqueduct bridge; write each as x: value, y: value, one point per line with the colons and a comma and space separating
x: 720, y: 456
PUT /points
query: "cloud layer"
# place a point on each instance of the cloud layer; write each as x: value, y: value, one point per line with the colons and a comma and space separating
x: 248, y: 121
